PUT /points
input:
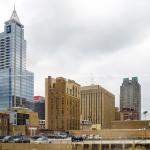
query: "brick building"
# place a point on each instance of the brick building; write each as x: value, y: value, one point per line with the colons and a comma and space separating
x: 62, y: 104
x: 97, y: 106
x: 4, y: 124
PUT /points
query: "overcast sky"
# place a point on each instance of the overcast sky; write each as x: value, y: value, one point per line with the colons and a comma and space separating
x: 76, y: 38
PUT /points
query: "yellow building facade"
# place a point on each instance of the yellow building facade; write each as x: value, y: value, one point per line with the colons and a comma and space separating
x: 62, y: 104
x: 97, y: 106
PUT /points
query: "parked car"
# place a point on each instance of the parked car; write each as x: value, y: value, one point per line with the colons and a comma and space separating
x: 97, y: 137
x: 84, y: 136
x: 61, y: 135
x: 34, y: 138
x: 76, y: 139
x: 51, y: 136
x: 42, y: 140
x: 22, y: 139
x: 1, y: 138
x: 90, y: 137
x: 9, y: 139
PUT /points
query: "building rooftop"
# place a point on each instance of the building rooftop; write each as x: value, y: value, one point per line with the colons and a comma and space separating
x: 95, y: 87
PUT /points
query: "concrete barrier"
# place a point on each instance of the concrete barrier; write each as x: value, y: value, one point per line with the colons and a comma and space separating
x: 9, y: 146
x: 74, y: 146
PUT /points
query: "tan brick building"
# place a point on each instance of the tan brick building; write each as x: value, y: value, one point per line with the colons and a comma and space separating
x: 23, y: 121
x: 97, y: 105
x: 125, y: 114
x: 33, y: 119
x: 4, y: 123
x: 118, y: 114
x: 131, y: 124
x: 128, y: 114
x: 62, y: 104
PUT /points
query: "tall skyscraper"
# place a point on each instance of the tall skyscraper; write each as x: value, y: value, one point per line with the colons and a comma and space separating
x: 97, y: 106
x: 130, y: 97
x: 62, y: 104
x: 16, y: 83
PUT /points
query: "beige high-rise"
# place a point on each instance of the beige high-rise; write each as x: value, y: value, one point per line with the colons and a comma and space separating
x: 62, y: 104
x: 97, y: 105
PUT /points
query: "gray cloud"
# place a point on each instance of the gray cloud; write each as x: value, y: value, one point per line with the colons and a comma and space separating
x: 59, y: 26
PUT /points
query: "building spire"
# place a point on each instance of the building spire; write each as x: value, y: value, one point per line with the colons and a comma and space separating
x: 14, y: 15
x: 14, y: 7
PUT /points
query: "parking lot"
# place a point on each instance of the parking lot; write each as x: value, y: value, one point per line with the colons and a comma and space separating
x: 68, y: 139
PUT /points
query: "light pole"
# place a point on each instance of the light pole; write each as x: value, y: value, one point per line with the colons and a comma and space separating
x: 145, y: 113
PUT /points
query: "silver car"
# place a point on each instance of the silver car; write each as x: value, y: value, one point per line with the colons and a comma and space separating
x: 42, y: 140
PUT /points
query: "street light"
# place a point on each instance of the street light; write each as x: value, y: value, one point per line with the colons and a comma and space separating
x: 145, y: 112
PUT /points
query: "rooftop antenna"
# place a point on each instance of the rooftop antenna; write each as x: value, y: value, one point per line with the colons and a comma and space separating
x: 14, y: 7
x: 92, y: 79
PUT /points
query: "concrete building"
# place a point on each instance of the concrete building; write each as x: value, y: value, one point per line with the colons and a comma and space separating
x: 97, y: 105
x: 18, y: 118
x: 26, y: 123
x: 130, y: 97
x: 62, y: 104
x: 16, y: 82
x: 39, y: 107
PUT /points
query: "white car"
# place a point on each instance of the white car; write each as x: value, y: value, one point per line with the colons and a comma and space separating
x: 91, y: 137
x: 97, y: 137
x: 42, y: 140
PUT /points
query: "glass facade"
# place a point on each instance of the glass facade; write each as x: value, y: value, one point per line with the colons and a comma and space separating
x: 16, y: 83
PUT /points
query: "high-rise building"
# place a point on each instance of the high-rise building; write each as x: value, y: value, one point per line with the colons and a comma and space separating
x: 130, y: 98
x: 62, y: 104
x: 16, y: 83
x: 97, y: 106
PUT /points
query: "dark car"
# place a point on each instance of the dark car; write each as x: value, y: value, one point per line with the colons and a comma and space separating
x: 8, y: 139
x: 35, y: 137
x: 1, y: 138
x: 51, y: 136
x: 76, y: 139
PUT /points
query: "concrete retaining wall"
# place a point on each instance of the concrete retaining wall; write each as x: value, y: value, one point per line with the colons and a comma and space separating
x: 110, y: 134
x: 8, y: 146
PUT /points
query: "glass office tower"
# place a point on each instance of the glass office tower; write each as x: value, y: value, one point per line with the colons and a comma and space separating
x: 16, y: 83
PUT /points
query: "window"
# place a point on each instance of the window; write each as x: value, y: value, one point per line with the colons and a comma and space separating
x: 8, y: 29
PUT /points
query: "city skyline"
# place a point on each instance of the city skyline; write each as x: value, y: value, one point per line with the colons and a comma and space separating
x: 103, y: 43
